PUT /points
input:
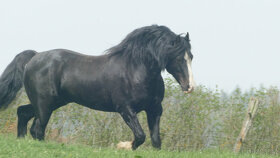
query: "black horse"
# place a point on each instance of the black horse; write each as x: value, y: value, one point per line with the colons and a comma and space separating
x: 126, y: 79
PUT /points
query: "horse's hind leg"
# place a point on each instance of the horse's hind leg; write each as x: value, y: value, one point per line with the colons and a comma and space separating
x: 25, y: 113
x: 38, y: 127
x: 36, y: 130
x: 42, y: 116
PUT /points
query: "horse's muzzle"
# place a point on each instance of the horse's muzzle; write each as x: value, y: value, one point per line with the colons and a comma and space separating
x: 190, y: 89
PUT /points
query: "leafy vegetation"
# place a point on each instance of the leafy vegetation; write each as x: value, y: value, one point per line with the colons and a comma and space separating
x: 207, y: 119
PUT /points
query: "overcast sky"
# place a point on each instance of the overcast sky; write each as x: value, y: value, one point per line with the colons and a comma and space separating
x: 235, y: 42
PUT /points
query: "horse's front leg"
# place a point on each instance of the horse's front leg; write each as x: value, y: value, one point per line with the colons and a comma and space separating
x: 130, y: 118
x: 153, y: 117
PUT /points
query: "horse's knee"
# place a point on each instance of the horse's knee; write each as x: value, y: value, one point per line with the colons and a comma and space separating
x: 142, y: 138
x: 139, y: 139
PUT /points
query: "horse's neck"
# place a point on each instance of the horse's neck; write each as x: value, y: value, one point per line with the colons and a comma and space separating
x: 144, y: 70
x: 151, y: 72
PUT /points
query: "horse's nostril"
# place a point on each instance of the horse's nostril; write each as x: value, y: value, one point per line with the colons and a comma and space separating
x: 189, y: 89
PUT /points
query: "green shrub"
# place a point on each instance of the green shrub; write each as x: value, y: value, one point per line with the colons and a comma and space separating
x: 204, y: 119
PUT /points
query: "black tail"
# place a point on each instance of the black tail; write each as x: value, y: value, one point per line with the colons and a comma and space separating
x: 11, y: 80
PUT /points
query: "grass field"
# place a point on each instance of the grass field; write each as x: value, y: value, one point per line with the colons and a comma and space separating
x: 10, y: 147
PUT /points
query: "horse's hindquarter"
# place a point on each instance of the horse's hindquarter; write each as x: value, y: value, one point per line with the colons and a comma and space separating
x: 42, y: 77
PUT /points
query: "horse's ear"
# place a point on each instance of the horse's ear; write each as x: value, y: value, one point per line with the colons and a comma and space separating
x: 187, y: 36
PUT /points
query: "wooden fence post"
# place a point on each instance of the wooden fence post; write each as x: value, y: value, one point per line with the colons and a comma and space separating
x: 252, y: 109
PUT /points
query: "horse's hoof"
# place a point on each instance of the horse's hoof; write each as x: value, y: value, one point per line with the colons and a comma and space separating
x: 125, y: 145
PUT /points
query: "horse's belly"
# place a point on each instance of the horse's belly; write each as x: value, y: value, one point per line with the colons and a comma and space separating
x: 100, y: 107
x: 96, y: 103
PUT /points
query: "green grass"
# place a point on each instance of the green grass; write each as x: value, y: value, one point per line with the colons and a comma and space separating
x: 10, y: 147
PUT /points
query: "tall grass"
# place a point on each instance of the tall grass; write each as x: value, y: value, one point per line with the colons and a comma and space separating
x: 204, y: 119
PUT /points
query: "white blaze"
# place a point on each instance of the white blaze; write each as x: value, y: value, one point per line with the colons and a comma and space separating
x: 189, y: 64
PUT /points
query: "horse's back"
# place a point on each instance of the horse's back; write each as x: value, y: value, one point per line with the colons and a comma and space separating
x: 43, y: 74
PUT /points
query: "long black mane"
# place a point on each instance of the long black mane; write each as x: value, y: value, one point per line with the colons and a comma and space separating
x: 147, y: 45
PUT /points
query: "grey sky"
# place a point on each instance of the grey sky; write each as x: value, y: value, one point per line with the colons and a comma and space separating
x: 235, y: 42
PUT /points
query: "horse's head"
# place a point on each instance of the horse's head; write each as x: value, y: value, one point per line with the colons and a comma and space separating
x: 159, y: 48
x: 179, y: 64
